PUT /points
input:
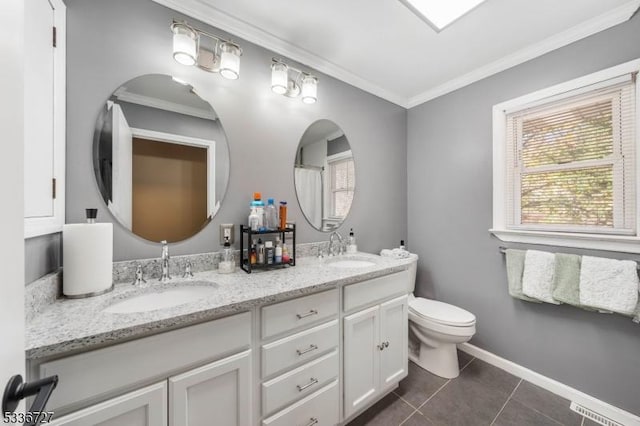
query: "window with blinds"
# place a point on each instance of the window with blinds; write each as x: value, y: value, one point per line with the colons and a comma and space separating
x: 571, y: 161
x: 342, y: 175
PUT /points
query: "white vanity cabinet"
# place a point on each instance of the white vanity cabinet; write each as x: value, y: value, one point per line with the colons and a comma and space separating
x: 217, y: 393
x: 144, y: 407
x: 300, y: 371
x: 375, y: 340
x: 202, y: 375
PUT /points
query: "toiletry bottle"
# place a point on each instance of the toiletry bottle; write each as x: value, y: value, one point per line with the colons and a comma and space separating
x: 260, y: 250
x: 268, y: 252
x: 285, y: 253
x: 283, y: 214
x: 253, y: 254
x: 277, y: 256
x: 402, y: 246
x: 271, y: 215
x: 259, y: 204
x: 254, y: 221
x: 352, y: 247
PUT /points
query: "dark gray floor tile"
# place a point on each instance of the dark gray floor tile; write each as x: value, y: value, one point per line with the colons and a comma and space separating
x: 389, y: 411
x: 463, y: 358
x: 515, y: 413
x: 547, y: 403
x: 418, y: 419
x: 474, y: 398
x: 490, y: 376
x: 419, y: 385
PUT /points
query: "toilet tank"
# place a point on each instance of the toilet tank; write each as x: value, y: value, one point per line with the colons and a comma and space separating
x: 413, y: 269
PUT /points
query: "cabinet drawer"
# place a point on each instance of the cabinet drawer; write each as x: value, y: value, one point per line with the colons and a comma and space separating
x: 368, y: 292
x: 318, y: 409
x: 297, y: 383
x: 295, y: 313
x: 298, y: 348
x: 90, y: 376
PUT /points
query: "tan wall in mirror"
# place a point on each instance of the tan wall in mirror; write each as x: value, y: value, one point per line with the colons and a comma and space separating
x: 169, y: 190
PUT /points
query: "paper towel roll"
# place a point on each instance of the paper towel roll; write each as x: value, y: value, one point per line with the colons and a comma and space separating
x: 87, y: 250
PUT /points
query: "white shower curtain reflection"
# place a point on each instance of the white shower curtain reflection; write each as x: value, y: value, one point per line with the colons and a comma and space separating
x: 309, y: 190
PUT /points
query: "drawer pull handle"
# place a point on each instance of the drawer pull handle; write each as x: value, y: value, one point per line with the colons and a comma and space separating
x: 308, y: 314
x: 311, y: 383
x: 312, y: 421
x: 311, y: 348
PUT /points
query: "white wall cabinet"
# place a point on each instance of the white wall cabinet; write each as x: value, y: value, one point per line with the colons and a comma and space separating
x: 375, y: 352
x: 144, y: 407
x: 44, y: 116
x: 217, y: 393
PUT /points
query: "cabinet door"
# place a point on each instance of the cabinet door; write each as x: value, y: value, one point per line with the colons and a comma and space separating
x: 361, y: 359
x: 394, y: 360
x: 144, y: 407
x: 44, y: 116
x: 217, y: 393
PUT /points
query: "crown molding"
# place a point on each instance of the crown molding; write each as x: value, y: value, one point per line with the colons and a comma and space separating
x: 578, y: 32
x: 208, y: 14
x: 215, y: 17
x: 134, y: 98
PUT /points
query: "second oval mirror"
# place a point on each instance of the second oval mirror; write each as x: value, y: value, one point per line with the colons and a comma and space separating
x: 324, y: 175
x: 161, y: 158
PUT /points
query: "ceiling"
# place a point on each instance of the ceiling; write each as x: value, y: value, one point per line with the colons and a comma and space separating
x: 380, y: 46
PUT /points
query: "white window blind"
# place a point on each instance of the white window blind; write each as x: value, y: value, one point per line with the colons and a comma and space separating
x: 571, y: 161
x: 342, y: 175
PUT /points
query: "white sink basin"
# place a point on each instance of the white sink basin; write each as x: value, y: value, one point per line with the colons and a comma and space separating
x: 160, y: 300
x: 351, y: 263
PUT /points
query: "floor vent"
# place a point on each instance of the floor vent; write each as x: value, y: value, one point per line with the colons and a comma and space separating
x: 594, y: 416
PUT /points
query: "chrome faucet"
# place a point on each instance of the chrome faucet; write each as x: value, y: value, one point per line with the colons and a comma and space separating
x: 165, y: 261
x: 340, y: 246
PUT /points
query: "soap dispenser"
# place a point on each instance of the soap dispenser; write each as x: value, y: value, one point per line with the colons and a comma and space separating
x: 227, y: 264
x: 352, y: 247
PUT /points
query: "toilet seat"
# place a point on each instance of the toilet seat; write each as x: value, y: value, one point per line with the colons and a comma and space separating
x: 433, y: 311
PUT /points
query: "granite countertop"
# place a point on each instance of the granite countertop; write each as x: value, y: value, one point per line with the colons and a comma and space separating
x: 68, y: 326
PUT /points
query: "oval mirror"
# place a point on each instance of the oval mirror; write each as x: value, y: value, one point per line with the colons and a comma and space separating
x: 161, y: 158
x: 324, y: 175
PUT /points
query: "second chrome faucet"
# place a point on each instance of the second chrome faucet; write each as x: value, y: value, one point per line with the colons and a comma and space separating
x: 165, y: 261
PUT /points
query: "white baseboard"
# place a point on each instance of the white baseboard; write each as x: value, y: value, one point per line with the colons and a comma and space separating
x: 553, y: 386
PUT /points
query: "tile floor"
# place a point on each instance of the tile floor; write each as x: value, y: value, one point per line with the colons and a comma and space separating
x: 481, y: 395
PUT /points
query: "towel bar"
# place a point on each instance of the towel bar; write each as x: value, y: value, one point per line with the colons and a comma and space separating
x: 503, y: 250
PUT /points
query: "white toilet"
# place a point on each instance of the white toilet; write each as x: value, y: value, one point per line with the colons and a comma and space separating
x: 435, y: 329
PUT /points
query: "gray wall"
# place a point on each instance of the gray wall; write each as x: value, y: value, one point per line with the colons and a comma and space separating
x: 450, y: 212
x: 42, y: 255
x: 110, y: 42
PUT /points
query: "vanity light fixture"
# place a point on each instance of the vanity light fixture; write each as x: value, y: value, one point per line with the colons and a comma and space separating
x: 291, y: 82
x: 211, y: 53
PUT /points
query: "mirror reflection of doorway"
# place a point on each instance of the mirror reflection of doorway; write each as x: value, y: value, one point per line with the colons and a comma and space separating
x: 169, y: 190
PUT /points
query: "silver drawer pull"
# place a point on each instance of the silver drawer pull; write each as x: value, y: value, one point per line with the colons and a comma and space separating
x: 308, y: 314
x: 310, y: 349
x: 311, y: 383
x: 312, y: 421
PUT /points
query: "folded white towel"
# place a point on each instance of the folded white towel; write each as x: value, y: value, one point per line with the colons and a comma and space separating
x: 537, y: 278
x: 396, y: 253
x: 609, y: 284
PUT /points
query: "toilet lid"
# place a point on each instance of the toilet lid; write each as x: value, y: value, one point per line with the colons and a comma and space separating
x: 441, y: 312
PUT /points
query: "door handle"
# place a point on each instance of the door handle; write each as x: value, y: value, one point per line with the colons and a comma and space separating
x: 16, y: 390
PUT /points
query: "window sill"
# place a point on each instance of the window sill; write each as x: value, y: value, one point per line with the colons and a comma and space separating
x: 618, y: 243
